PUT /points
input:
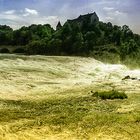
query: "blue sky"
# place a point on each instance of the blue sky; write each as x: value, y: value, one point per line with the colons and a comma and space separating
x: 17, y: 13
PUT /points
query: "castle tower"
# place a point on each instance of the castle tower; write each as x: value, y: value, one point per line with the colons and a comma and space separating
x: 59, y: 26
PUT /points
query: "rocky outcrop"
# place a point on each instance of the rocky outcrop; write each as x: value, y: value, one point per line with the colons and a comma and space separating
x: 130, y: 78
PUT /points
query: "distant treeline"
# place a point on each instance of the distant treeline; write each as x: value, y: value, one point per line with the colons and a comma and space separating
x: 85, y: 35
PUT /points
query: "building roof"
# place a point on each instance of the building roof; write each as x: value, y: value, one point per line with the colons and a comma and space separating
x: 83, y: 17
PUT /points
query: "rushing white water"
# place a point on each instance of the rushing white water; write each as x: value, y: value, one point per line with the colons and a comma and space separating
x: 25, y: 74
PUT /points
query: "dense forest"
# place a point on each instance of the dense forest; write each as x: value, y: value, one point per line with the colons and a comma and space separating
x: 83, y: 36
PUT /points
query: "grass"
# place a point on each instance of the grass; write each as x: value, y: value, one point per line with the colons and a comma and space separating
x: 110, y: 95
x: 38, y: 104
x: 83, y: 117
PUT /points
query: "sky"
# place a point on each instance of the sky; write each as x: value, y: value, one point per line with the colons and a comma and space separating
x: 17, y: 13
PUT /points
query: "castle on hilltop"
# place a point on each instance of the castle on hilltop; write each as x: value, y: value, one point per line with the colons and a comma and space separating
x: 89, y: 18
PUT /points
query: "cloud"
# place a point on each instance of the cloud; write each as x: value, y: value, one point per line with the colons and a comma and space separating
x: 118, y: 13
x: 104, y: 2
x: 109, y: 18
x: 9, y: 12
x: 116, y: 17
x: 26, y: 17
x: 108, y: 8
x: 51, y: 11
x: 28, y: 12
x: 13, y: 17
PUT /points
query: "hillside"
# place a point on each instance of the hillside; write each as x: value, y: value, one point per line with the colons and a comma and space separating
x: 50, y: 97
x: 82, y: 36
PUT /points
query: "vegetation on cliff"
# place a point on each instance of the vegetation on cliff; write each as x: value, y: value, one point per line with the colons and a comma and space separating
x: 85, y: 35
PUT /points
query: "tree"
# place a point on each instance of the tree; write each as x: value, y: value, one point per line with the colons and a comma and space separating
x: 6, y: 35
x: 19, y: 51
x: 128, y: 48
x: 83, y: 35
x: 127, y: 33
x: 90, y: 40
x: 66, y: 30
x: 4, y: 50
x: 116, y: 38
x: 54, y: 47
x: 36, y: 47
x: 78, y: 45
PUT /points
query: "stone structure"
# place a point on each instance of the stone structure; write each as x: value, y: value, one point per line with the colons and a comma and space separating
x: 88, y: 18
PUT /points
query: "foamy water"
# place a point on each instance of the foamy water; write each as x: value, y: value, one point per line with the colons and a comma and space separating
x: 22, y: 75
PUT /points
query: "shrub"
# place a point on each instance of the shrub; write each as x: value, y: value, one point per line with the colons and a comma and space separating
x: 19, y: 50
x: 36, y: 47
x: 110, y: 95
x: 4, y: 50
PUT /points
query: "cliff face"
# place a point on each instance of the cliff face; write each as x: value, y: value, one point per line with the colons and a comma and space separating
x: 88, y: 18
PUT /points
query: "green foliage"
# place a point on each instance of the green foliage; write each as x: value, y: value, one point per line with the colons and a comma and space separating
x: 133, y: 63
x: 54, y: 46
x: 5, y: 35
x: 110, y: 95
x: 36, y: 47
x: 129, y: 48
x: 85, y: 35
x: 80, y: 115
x: 4, y: 50
x: 20, y: 51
